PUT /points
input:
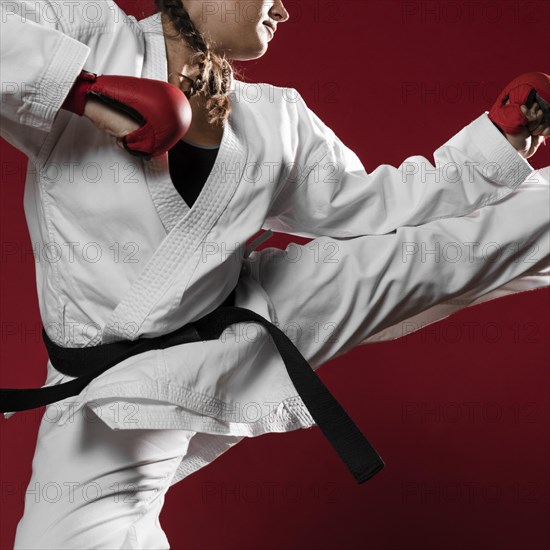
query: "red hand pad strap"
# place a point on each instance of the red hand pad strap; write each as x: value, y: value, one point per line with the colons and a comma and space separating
x: 76, y: 100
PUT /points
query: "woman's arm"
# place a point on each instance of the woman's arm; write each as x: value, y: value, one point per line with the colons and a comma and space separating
x: 41, y: 58
x: 336, y: 197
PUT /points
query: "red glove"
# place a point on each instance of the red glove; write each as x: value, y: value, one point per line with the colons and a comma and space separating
x: 162, y: 109
x: 524, y: 90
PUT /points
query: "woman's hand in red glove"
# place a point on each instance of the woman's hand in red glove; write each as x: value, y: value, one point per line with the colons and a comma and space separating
x: 524, y: 127
x: 147, y: 117
x: 533, y: 133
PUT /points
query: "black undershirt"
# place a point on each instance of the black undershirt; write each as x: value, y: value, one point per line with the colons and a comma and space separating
x: 190, y: 167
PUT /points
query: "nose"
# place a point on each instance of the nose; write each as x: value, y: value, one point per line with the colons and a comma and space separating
x: 278, y: 12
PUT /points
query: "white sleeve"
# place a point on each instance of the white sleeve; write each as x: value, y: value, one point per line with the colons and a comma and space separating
x: 39, y: 63
x: 330, y: 193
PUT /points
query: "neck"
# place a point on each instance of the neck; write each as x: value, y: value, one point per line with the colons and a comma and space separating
x: 179, y: 56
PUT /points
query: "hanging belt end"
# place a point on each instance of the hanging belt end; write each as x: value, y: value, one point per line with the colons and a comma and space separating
x: 369, y: 472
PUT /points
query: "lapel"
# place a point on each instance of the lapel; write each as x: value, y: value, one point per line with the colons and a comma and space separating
x: 186, y: 227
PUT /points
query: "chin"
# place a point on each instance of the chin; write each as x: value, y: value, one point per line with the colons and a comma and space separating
x: 254, y: 52
x: 256, y: 55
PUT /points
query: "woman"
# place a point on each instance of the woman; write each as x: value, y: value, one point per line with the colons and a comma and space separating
x: 192, y: 403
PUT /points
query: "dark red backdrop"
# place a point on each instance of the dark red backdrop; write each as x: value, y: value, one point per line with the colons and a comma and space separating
x: 459, y: 410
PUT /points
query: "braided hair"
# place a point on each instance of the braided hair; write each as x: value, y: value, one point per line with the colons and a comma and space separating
x: 215, y: 71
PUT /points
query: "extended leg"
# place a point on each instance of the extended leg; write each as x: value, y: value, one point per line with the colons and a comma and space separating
x: 332, y: 294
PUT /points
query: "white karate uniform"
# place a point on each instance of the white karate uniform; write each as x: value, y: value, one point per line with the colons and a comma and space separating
x: 392, y: 252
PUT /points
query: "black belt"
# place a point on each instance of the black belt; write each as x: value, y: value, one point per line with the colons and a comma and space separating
x: 87, y: 363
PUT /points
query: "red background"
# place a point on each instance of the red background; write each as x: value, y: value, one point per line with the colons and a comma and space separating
x: 392, y: 79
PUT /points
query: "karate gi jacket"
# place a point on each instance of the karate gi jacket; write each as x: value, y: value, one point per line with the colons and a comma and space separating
x: 130, y: 259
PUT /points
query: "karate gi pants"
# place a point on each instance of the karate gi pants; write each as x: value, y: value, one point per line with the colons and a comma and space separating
x: 112, y: 484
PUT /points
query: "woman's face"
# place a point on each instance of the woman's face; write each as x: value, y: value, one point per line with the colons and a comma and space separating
x: 237, y: 28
